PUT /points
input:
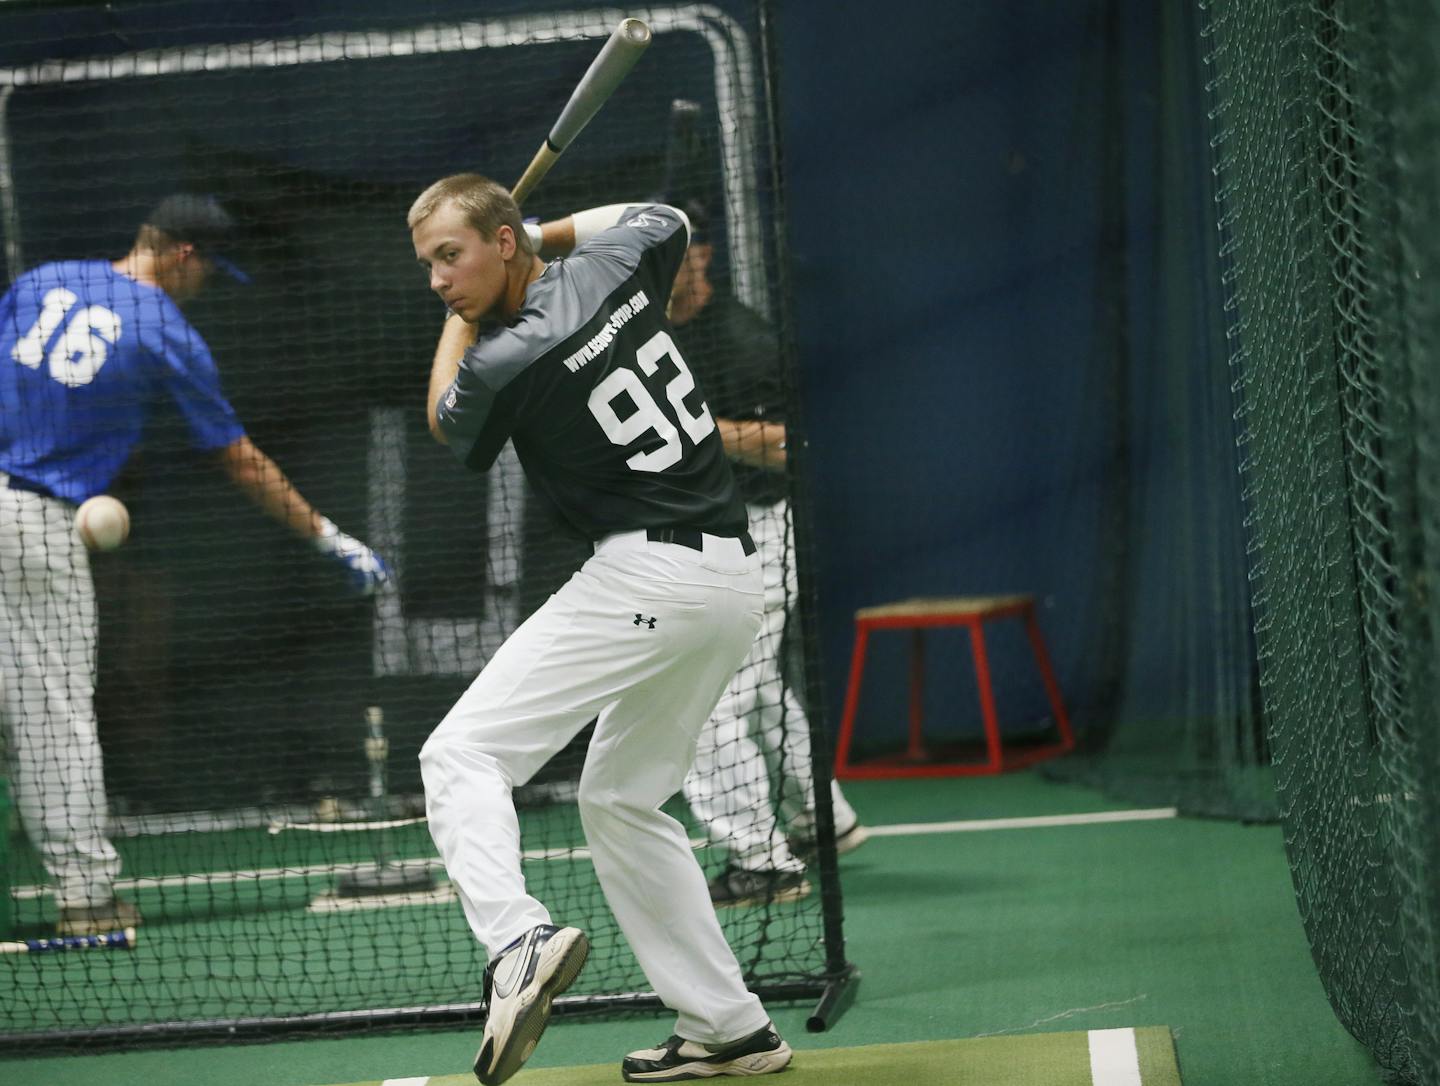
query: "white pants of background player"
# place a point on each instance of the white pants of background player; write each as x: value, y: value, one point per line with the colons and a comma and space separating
x: 645, y: 636
x: 47, y: 675
x: 759, y: 732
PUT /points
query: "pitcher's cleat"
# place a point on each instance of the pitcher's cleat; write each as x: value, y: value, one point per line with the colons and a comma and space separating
x: 802, y: 844
x: 117, y: 914
x: 522, y: 983
x: 735, y: 887
x: 761, y: 1053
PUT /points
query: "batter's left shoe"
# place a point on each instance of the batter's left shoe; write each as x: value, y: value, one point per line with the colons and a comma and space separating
x: 761, y: 1053
x: 522, y: 982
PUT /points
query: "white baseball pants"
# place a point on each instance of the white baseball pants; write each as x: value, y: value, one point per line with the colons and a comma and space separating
x: 759, y: 732
x: 47, y: 694
x: 645, y: 636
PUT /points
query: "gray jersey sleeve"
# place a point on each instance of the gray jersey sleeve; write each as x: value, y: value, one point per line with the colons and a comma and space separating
x: 464, y: 410
x: 649, y: 238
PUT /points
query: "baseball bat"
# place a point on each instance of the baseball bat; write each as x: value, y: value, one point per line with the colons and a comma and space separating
x: 115, y: 940
x: 617, y: 56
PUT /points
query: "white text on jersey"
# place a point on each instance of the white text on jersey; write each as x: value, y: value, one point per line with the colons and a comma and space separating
x: 600, y: 340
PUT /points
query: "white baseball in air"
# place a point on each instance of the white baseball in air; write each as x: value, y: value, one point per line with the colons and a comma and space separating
x: 102, y: 522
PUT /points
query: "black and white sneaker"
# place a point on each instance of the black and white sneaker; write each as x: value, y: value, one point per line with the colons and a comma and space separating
x: 736, y: 886
x: 522, y: 982
x: 762, y: 1053
x: 803, y: 844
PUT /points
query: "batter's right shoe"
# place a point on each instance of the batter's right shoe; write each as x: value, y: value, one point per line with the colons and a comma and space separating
x: 735, y: 887
x: 117, y: 914
x: 522, y: 982
x: 677, y: 1060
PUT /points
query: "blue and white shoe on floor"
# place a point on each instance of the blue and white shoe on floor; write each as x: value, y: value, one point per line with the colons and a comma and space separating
x: 523, y: 981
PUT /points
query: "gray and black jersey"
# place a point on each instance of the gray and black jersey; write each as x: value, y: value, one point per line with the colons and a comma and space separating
x: 603, y: 410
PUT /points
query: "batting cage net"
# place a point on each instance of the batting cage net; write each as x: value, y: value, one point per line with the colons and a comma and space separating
x: 1328, y: 142
x: 1176, y: 719
x: 261, y: 804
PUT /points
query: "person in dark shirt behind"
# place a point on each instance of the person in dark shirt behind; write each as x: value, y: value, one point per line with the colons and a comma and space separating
x: 759, y: 728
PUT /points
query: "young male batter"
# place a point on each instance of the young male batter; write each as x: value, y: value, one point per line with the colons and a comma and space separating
x: 574, y: 362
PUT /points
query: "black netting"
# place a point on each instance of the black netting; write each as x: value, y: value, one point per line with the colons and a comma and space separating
x: 1325, y: 132
x: 259, y: 724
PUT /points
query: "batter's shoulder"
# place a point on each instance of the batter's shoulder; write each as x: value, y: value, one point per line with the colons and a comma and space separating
x: 550, y: 314
x: 640, y: 227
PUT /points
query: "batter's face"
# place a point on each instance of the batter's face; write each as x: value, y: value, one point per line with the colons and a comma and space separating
x: 470, y: 274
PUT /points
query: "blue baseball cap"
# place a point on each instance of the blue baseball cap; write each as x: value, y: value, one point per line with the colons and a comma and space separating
x: 202, y: 222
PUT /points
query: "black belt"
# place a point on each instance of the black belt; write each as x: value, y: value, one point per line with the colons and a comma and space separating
x: 694, y: 538
x: 14, y: 482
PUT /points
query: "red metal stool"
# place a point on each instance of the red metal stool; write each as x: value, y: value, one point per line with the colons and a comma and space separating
x: 919, y: 615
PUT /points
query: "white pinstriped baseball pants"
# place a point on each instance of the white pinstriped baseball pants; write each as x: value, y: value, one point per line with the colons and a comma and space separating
x: 47, y: 694
x: 753, y: 757
x: 591, y: 651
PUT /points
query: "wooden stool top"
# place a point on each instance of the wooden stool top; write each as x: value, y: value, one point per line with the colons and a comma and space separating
x: 929, y: 606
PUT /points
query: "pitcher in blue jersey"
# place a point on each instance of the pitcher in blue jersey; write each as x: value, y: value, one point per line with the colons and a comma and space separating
x: 86, y: 349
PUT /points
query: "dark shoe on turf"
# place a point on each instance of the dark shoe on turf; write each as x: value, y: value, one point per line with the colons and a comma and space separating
x: 803, y: 844
x: 522, y: 982
x: 735, y: 886
x: 762, y: 1053
x: 117, y: 914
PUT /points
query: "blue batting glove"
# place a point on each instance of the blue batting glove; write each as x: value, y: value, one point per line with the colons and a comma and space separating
x: 365, y: 571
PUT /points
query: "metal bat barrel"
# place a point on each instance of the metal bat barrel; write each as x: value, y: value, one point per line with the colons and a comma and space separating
x: 609, y: 68
x: 606, y: 72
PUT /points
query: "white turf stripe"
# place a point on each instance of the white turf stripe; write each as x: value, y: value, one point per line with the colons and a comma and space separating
x: 405, y: 1082
x: 1038, y: 822
x: 323, y: 871
x: 1114, y: 1060
x: 581, y: 853
x: 343, y: 827
x: 332, y: 903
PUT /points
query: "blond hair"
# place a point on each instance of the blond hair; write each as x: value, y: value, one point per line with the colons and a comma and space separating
x: 487, y: 205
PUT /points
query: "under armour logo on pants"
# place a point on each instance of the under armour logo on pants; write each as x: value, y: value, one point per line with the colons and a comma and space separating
x: 639, y: 619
